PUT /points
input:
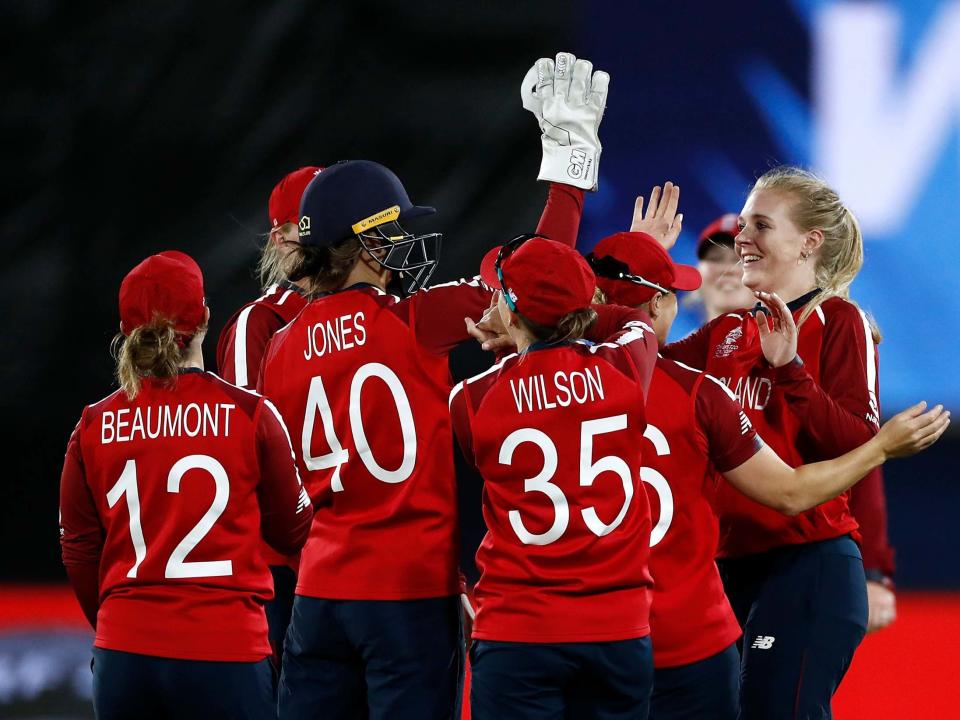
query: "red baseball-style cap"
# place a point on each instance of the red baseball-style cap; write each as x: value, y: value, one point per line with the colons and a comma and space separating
x: 724, y: 229
x: 168, y: 285
x: 545, y: 279
x: 284, y: 204
x: 644, y: 257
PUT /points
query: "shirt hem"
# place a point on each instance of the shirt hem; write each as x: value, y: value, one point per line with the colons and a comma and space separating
x: 611, y: 636
x: 165, y: 652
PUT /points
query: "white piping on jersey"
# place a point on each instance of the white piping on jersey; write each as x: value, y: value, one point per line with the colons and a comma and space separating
x: 286, y: 434
x: 240, y: 342
x: 734, y: 315
x: 685, y: 366
x: 233, y: 385
x: 472, y: 282
x: 460, y: 385
x: 240, y: 346
x: 284, y: 297
x: 103, y: 400
x: 453, y: 393
x: 870, y: 353
x: 489, y: 370
x: 819, y: 311
x: 384, y: 292
x: 634, y: 333
x: 723, y: 386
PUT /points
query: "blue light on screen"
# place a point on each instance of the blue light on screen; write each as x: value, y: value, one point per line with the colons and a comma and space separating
x: 866, y: 94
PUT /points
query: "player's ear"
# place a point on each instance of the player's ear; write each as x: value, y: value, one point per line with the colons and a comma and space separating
x: 654, y: 308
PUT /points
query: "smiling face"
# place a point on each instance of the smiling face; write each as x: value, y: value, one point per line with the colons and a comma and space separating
x: 772, y: 248
x: 723, y: 290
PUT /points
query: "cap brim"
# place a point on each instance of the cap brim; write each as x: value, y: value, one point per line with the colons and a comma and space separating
x: 488, y: 268
x: 417, y: 211
x: 686, y: 277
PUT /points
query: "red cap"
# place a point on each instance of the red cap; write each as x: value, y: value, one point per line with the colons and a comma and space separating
x: 545, y: 279
x: 284, y: 204
x: 168, y: 285
x: 725, y: 226
x: 645, y: 257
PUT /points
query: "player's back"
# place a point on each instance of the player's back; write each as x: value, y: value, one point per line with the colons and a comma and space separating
x: 174, y: 476
x: 366, y: 403
x: 554, y: 435
x: 688, y: 426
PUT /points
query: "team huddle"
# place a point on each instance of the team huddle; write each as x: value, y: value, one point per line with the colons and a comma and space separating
x: 668, y: 531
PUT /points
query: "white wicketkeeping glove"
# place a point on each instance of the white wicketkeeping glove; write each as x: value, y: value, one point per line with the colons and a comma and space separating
x: 568, y: 100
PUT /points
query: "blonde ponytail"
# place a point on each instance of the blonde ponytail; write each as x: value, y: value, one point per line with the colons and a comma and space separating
x: 148, y: 351
x: 818, y: 207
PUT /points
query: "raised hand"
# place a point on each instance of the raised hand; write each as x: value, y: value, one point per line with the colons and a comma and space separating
x: 568, y: 99
x: 489, y: 330
x: 661, y: 220
x: 778, y: 334
x: 913, y: 430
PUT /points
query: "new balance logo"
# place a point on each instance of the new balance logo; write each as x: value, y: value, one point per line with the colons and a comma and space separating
x: 744, y: 423
x: 763, y: 642
x: 303, y: 501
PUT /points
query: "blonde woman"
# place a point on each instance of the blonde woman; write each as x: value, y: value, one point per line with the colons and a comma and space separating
x: 797, y: 583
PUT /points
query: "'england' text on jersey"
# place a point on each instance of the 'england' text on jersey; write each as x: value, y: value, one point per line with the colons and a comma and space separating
x: 752, y: 392
x: 164, y: 421
x: 341, y: 333
x: 533, y: 393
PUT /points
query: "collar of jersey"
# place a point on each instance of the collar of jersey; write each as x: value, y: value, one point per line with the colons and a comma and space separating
x: 543, y: 345
x: 355, y: 286
x: 287, y: 285
x: 793, y: 305
x: 186, y: 370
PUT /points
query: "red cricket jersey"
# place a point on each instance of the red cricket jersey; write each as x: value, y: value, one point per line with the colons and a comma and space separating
x: 164, y: 499
x: 375, y: 448
x: 553, y: 432
x: 244, y: 338
x: 362, y: 379
x: 241, y: 347
x: 815, y: 411
x: 695, y: 429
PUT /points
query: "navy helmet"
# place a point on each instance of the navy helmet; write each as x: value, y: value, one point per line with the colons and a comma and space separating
x: 363, y: 199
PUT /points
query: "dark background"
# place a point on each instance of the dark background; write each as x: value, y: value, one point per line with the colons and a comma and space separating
x: 137, y: 127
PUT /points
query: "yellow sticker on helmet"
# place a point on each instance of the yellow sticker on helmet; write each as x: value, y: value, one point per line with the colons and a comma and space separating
x: 384, y: 216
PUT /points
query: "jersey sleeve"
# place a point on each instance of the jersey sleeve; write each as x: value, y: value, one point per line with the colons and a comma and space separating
x: 285, y: 509
x: 868, y: 505
x: 81, y: 532
x: 560, y: 220
x: 460, y: 419
x: 693, y: 350
x: 243, y: 343
x: 731, y: 438
x: 842, y: 412
x: 625, y: 333
x: 436, y: 314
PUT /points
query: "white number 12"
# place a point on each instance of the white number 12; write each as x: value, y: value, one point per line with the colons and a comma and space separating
x: 177, y: 566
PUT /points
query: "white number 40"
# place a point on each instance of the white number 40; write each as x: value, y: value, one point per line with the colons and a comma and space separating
x: 177, y: 566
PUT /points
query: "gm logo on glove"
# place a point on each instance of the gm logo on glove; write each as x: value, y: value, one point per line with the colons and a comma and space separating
x: 578, y: 164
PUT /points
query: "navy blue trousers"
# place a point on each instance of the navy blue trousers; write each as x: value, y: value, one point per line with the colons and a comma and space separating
x: 280, y: 608
x: 553, y: 681
x: 708, y: 689
x: 373, y: 659
x: 127, y: 686
x: 803, y: 610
